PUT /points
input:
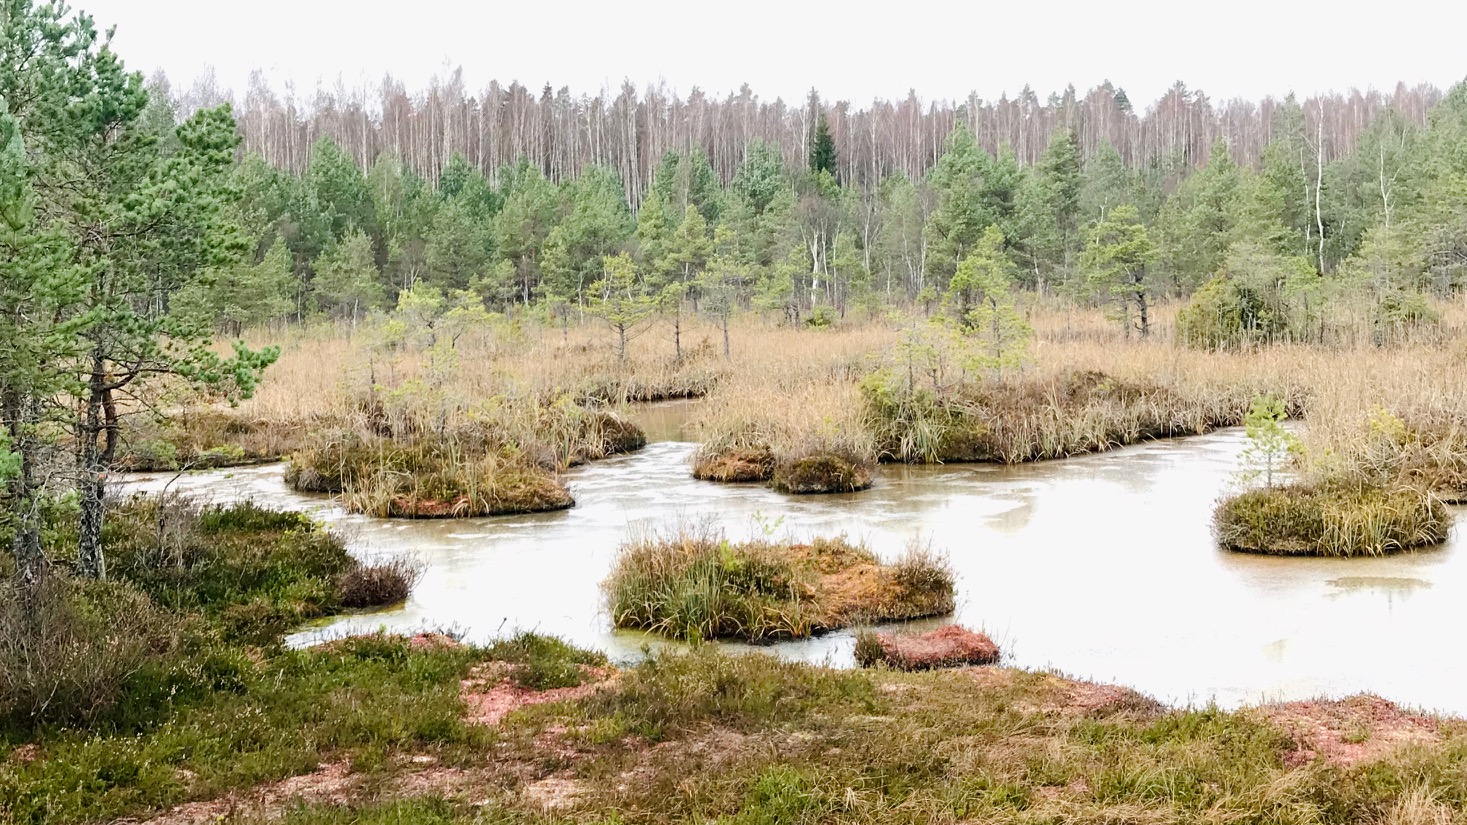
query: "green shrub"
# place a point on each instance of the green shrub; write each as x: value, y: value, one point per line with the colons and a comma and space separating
x: 255, y: 572
x: 1331, y: 520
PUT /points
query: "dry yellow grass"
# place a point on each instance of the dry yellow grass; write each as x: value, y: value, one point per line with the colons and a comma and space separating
x: 796, y: 390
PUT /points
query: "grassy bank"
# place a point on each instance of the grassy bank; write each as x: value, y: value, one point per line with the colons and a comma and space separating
x: 204, y: 438
x: 169, y: 681
x: 691, y: 582
x: 708, y: 737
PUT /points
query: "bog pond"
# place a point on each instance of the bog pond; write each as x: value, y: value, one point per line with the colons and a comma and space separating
x: 1102, y: 567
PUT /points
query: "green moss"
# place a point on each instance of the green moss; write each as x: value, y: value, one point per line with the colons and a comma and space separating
x: 1331, y: 520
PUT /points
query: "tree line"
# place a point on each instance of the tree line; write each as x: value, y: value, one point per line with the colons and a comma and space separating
x: 806, y: 239
x: 628, y: 130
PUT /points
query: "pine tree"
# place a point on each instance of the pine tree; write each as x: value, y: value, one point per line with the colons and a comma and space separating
x: 1117, y: 254
x: 822, y: 149
x: 621, y: 299
x: 347, y: 280
x: 131, y: 221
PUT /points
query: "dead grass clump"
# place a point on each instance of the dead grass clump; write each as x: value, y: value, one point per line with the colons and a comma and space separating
x: 948, y: 646
x: 834, y: 471
x: 382, y: 583
x: 733, y: 464
x: 693, y: 583
x: 450, y: 477
x: 1331, y: 519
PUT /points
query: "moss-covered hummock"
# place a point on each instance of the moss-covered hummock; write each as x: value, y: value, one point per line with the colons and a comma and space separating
x: 734, y: 464
x: 947, y: 646
x: 696, y: 584
x: 821, y: 472
x: 1331, y: 520
x: 426, y: 477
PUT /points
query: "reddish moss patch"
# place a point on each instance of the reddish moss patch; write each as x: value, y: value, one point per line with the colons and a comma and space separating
x: 491, y: 692
x: 947, y: 646
x: 1348, y: 731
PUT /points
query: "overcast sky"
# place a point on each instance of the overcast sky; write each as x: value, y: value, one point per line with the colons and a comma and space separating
x: 851, y: 50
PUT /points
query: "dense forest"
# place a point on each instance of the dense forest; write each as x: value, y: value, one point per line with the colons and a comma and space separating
x: 520, y: 200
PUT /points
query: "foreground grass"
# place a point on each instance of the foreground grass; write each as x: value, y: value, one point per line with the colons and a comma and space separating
x: 691, y: 582
x: 243, y: 722
x: 709, y: 737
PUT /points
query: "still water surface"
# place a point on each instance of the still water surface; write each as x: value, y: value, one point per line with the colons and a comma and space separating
x: 1101, y: 566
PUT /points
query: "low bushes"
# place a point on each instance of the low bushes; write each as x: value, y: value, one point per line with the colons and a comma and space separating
x: 694, y: 583
x: 189, y: 584
x: 67, y: 654
x: 1324, y: 519
x: 427, y: 477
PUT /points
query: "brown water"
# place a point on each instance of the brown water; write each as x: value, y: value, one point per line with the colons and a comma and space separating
x: 1101, y: 567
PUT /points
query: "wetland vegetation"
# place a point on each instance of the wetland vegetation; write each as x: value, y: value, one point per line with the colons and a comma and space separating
x: 186, y: 284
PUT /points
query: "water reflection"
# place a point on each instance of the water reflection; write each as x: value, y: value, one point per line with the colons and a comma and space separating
x: 1100, y: 566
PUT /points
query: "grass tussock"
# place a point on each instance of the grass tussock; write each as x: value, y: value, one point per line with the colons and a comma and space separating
x: 1039, y: 416
x: 452, y: 477
x: 692, y: 582
x: 1321, y: 519
x: 733, y: 464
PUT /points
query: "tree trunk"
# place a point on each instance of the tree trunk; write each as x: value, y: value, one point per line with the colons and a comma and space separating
x: 93, y: 469
x: 726, y: 351
x: 25, y: 545
x: 1145, y: 316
